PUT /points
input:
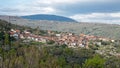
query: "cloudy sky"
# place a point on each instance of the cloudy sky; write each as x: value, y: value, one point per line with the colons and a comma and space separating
x: 105, y: 11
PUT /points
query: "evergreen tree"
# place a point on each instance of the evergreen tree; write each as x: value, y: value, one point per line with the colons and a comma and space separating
x: 95, y: 62
x: 7, y: 41
x: 37, y: 32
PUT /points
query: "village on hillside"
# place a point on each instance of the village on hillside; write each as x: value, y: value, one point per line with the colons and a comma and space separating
x: 69, y: 39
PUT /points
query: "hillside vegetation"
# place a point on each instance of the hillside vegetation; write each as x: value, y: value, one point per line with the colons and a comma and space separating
x: 17, y: 54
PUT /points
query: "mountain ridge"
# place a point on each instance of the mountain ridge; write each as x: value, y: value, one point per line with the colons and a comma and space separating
x: 48, y: 17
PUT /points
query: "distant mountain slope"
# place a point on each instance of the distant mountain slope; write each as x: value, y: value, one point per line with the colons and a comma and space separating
x: 48, y: 17
x: 104, y: 30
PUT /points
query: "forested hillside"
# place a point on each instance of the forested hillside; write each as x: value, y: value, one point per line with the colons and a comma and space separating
x: 48, y: 17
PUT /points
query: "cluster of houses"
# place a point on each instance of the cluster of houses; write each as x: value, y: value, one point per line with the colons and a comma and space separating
x: 27, y: 36
x: 69, y: 39
x: 81, y: 40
